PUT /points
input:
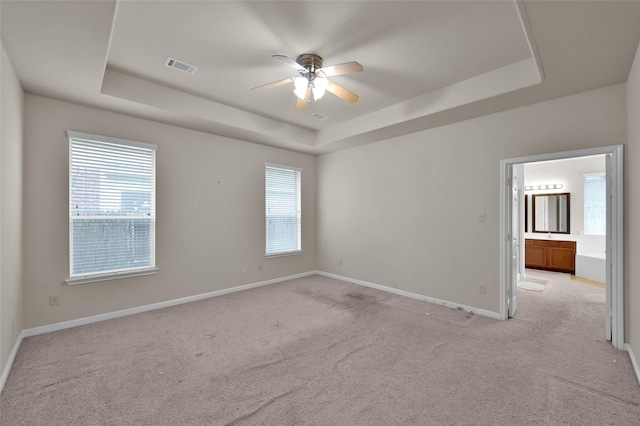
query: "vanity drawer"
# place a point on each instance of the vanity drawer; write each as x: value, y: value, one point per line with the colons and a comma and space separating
x: 547, y: 243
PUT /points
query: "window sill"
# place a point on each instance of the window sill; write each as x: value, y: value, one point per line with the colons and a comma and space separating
x: 283, y: 253
x: 86, y: 279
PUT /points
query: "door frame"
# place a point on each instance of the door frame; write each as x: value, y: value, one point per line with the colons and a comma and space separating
x: 516, y: 206
x: 614, y: 256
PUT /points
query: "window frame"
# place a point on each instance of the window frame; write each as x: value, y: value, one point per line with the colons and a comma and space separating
x: 298, y: 250
x: 125, y: 272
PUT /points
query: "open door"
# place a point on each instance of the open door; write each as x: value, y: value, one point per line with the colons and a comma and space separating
x: 516, y: 235
x: 512, y: 242
x: 609, y: 247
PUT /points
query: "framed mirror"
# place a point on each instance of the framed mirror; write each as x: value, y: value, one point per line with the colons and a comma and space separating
x: 551, y: 213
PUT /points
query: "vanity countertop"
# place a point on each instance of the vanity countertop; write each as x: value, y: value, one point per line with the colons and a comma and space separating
x: 545, y: 236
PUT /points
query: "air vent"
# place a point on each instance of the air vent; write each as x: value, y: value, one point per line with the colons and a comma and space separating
x: 320, y: 117
x: 180, y: 66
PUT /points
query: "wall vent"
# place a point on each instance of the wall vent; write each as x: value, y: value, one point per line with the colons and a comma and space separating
x: 320, y: 117
x: 180, y: 66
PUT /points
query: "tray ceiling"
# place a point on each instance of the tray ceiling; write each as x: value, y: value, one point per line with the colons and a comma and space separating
x: 425, y: 63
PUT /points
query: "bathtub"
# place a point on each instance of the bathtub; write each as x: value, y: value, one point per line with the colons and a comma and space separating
x: 591, y: 266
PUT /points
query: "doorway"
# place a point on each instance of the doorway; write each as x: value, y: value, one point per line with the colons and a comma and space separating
x: 512, y: 234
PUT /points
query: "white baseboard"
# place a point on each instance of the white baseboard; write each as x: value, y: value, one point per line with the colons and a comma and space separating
x: 96, y: 318
x: 483, y: 312
x: 117, y: 314
x: 634, y: 361
x: 110, y: 315
x: 12, y: 357
x: 125, y: 312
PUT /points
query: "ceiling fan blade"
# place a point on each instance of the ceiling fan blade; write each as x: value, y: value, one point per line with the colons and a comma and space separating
x: 341, y: 92
x: 341, y: 69
x: 302, y: 103
x: 274, y: 84
x: 289, y: 62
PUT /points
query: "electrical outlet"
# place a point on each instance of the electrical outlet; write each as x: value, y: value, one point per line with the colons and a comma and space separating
x: 243, y: 270
x: 260, y: 267
x: 53, y: 300
x: 482, y: 217
x: 483, y: 289
x: 340, y: 262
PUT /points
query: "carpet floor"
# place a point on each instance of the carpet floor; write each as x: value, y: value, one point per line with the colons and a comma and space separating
x: 316, y: 351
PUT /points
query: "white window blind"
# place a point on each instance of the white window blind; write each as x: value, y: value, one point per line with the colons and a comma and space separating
x: 111, y: 206
x: 595, y: 206
x: 282, y: 195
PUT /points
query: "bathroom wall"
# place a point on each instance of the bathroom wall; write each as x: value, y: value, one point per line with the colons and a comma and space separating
x: 569, y: 173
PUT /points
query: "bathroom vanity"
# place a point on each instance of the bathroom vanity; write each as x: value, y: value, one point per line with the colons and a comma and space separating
x: 552, y: 255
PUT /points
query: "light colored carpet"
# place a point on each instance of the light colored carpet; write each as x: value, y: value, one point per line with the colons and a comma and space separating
x: 316, y: 351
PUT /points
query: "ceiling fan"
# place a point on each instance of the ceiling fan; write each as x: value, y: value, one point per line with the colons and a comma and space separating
x: 313, y: 78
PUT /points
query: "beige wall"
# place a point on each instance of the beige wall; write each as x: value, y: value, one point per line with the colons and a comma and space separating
x: 404, y: 212
x: 210, y: 213
x: 11, y: 113
x: 632, y: 213
x: 401, y: 213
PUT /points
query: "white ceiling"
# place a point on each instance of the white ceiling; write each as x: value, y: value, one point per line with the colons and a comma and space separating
x: 426, y: 63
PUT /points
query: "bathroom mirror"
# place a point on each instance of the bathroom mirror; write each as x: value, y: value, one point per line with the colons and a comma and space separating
x: 551, y: 213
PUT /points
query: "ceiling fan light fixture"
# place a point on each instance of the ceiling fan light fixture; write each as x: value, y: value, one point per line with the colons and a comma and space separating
x: 312, y: 79
x: 301, y: 84
x: 319, y: 87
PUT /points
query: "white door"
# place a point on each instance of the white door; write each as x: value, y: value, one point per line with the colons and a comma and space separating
x: 516, y: 231
x: 609, y: 247
x: 615, y: 234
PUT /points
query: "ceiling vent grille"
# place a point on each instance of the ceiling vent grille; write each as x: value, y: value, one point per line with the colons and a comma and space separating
x: 320, y: 117
x: 180, y: 66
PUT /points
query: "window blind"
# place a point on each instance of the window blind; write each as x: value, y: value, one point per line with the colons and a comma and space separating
x: 595, y: 205
x: 282, y: 195
x: 111, y: 205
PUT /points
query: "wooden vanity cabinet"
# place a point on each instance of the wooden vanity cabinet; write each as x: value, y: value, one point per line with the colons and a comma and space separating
x: 552, y: 255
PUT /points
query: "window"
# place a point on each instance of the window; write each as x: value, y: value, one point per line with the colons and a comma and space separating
x: 282, y: 195
x: 595, y: 206
x: 111, y: 208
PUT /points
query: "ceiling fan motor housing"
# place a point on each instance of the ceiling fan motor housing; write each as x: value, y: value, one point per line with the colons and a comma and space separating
x: 310, y: 62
